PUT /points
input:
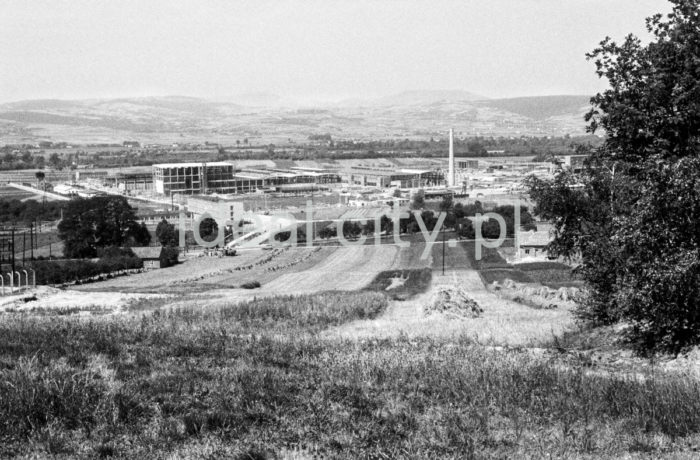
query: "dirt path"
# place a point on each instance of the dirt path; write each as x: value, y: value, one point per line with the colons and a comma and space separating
x: 502, y: 323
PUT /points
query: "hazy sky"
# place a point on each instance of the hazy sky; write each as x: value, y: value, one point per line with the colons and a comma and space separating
x: 310, y: 49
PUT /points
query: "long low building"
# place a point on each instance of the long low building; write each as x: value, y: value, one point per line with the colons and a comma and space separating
x: 223, y: 177
x: 379, y: 177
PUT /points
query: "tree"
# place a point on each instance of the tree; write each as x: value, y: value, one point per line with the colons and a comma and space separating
x: 40, y: 176
x: 418, y: 202
x: 98, y: 222
x: 633, y: 215
x: 351, y: 230
x: 168, y: 256
x: 55, y: 160
x: 429, y: 219
x: 386, y: 225
x: 327, y: 232
x: 465, y: 229
x: 447, y: 203
x: 166, y: 234
x: 140, y: 235
x: 208, y: 229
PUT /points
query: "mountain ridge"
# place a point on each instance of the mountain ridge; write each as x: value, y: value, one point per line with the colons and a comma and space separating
x: 408, y: 114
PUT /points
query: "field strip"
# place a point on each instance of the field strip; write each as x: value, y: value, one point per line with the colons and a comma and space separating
x: 348, y: 268
x: 183, y: 274
x: 293, y: 260
x: 503, y: 322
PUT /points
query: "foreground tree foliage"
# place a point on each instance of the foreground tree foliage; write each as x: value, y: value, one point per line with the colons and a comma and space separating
x: 102, y: 221
x: 633, y: 215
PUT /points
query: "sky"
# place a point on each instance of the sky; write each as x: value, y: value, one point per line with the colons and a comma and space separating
x: 310, y: 50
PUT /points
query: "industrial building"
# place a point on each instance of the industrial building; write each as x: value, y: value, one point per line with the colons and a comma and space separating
x: 403, y: 178
x: 467, y: 164
x: 134, y: 182
x: 196, y: 178
x: 223, y: 177
x: 220, y: 209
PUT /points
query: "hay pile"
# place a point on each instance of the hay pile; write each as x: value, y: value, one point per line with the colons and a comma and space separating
x: 566, y: 294
x: 453, y: 301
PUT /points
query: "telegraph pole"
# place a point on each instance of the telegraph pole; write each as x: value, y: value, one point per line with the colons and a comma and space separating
x: 31, y: 239
x: 443, y: 250
x: 13, y: 251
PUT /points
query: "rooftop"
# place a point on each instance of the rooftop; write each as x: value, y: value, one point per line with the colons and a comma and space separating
x: 192, y: 165
x: 533, y: 238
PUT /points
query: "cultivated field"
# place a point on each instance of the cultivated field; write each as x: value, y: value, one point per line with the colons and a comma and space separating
x: 347, y: 268
x: 180, y: 277
x: 339, y: 354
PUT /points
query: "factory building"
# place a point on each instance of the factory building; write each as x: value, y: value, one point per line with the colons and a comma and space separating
x: 467, y: 164
x: 222, y: 177
x: 193, y: 178
x: 220, y: 209
x: 134, y: 182
x: 380, y: 178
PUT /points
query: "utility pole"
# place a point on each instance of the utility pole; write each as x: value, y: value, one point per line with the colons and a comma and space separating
x: 31, y: 239
x: 13, y: 251
x: 443, y: 250
x: 24, y: 247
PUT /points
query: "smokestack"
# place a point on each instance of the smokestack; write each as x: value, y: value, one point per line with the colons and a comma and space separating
x: 451, y: 170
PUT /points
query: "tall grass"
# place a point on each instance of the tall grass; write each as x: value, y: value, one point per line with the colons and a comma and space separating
x: 254, y: 379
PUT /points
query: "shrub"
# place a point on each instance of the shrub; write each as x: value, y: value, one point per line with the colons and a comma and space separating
x: 63, y: 271
x: 168, y: 256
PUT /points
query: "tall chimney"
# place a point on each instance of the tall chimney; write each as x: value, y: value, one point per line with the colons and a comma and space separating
x: 451, y: 170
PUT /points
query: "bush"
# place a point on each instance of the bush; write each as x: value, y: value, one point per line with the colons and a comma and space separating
x: 63, y: 271
x: 251, y: 285
x: 168, y: 256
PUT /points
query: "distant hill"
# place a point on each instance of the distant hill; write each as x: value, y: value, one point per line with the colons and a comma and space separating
x: 40, y: 104
x: 268, y: 119
x: 414, y: 98
x: 256, y: 99
x: 539, y: 107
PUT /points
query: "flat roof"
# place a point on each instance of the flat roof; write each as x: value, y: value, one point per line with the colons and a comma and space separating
x: 248, y: 176
x: 190, y: 165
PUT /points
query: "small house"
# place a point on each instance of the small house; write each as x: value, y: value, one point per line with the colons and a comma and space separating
x: 150, y: 255
x: 533, y: 244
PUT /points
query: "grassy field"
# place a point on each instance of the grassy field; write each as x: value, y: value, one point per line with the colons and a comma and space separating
x: 256, y: 380
x: 12, y: 193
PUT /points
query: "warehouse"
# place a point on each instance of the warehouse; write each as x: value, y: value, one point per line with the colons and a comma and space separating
x: 380, y: 178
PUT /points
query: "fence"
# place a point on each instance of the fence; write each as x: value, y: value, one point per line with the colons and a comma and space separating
x: 18, y: 286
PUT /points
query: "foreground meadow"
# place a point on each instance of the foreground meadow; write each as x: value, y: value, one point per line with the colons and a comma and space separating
x: 259, y: 380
